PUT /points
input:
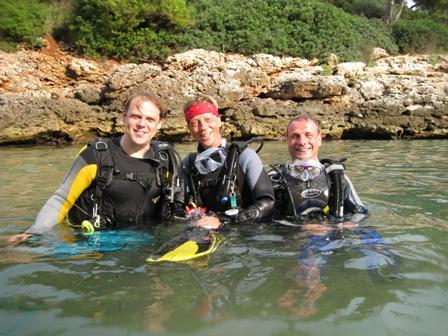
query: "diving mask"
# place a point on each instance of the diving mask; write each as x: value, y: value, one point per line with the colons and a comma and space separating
x: 304, y: 170
x: 210, y: 160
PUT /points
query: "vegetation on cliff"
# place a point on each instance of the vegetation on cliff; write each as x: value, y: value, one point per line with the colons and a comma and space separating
x: 139, y: 30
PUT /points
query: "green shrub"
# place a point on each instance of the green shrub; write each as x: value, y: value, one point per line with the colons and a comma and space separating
x: 302, y: 28
x: 127, y: 29
x: 22, y: 21
x: 420, y: 36
x: 373, y: 34
x: 369, y: 8
x: 138, y: 30
x: 8, y: 46
x: 327, y: 70
x: 57, y: 15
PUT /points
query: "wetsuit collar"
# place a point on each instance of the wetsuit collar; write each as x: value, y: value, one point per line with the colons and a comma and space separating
x: 149, y: 155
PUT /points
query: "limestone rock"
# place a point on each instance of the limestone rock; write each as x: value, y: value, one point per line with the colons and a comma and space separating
x: 351, y: 70
x: 303, y: 85
x: 333, y: 60
x: 51, y: 96
x: 378, y: 53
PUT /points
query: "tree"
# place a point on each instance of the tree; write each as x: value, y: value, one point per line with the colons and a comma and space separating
x: 389, y: 16
x: 431, y: 5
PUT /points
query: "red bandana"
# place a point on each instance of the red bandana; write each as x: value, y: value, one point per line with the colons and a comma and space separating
x: 200, y: 108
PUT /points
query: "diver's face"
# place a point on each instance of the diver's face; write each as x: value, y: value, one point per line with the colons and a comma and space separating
x: 206, y: 129
x: 141, y: 123
x: 304, y: 140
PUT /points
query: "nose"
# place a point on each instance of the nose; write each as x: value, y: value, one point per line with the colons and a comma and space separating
x: 142, y: 122
x: 301, y: 140
x: 202, y: 123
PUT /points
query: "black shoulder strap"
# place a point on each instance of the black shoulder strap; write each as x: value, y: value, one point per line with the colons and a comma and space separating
x: 106, y: 163
x: 165, y: 152
x: 229, y: 180
x: 161, y: 150
x: 190, y: 160
x: 285, y: 186
x: 192, y: 183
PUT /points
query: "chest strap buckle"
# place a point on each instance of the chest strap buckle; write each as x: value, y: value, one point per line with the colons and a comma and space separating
x: 131, y: 176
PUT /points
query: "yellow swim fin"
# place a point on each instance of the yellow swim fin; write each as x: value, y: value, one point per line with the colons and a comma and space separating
x: 189, y: 245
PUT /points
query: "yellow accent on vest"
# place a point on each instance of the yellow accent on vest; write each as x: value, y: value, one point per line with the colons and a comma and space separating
x: 82, y: 150
x: 81, y: 182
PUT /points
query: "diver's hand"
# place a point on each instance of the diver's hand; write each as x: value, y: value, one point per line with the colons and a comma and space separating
x: 250, y: 214
x: 18, y: 238
x: 209, y: 222
x: 261, y: 208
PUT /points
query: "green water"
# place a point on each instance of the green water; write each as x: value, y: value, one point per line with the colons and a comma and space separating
x: 388, y: 278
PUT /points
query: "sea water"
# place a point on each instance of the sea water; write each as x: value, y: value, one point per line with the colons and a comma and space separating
x: 388, y: 276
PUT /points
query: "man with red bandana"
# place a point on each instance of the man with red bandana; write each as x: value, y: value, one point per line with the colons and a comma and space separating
x: 119, y: 182
x: 306, y: 187
x: 249, y: 195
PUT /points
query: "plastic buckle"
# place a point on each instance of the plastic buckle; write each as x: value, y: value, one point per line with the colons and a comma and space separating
x: 131, y: 176
x: 101, y: 146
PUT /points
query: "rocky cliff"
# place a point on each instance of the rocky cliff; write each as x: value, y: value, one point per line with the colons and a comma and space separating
x: 51, y: 96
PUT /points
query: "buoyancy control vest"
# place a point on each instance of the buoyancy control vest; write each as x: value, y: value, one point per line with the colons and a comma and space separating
x: 308, y: 196
x: 323, y: 195
x: 224, y: 188
x: 127, y: 191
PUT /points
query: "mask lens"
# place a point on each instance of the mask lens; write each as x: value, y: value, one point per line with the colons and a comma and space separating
x: 314, y: 171
x: 201, y: 166
x: 304, y: 171
x: 297, y: 170
x: 210, y: 160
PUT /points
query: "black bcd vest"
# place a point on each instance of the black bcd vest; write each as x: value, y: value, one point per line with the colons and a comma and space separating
x: 122, y: 195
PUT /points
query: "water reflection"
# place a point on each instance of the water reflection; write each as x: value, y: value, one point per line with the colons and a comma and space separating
x: 271, y: 280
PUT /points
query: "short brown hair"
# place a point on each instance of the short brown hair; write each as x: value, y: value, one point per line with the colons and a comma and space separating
x: 303, y: 117
x: 140, y: 98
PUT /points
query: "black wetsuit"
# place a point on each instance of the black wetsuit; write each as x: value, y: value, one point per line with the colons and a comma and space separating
x: 132, y: 196
x: 253, y: 188
x: 311, y: 199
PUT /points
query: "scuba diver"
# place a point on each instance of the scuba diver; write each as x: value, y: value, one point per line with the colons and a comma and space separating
x: 124, y: 182
x: 223, y: 182
x: 324, y: 204
x: 307, y: 188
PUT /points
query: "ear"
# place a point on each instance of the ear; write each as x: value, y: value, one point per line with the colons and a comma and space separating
x: 159, y: 124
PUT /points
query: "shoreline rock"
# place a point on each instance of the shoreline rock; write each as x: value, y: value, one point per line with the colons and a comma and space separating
x: 54, y: 97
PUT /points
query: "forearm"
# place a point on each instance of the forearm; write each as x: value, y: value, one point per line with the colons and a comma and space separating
x: 352, y: 202
x: 265, y: 207
x: 47, y: 216
x: 78, y: 178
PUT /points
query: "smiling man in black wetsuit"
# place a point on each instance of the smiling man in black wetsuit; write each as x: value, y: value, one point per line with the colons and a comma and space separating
x: 226, y: 179
x: 308, y: 188
x: 117, y: 183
